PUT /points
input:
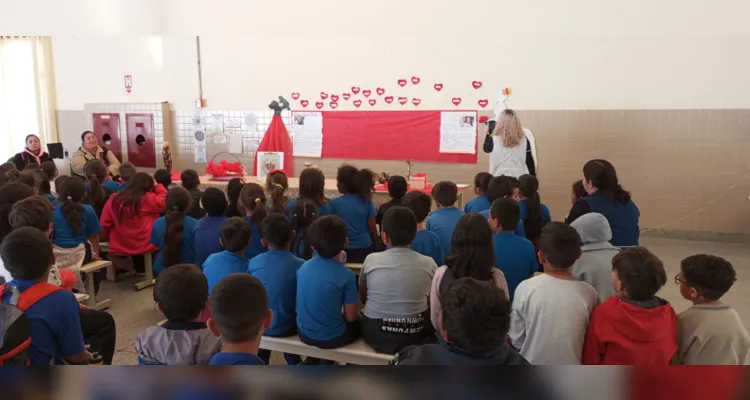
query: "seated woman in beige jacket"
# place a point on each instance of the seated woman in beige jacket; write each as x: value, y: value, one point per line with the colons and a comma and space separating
x: 90, y: 150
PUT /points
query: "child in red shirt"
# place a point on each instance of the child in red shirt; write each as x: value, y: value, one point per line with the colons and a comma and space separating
x: 128, y: 217
x: 634, y: 327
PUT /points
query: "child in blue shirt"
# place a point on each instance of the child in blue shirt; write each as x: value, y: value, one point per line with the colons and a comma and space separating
x: 443, y: 220
x: 252, y: 205
x: 97, y: 193
x: 514, y: 255
x: 303, y: 215
x: 208, y: 229
x: 426, y: 242
x: 277, y: 270
x: 534, y: 214
x: 325, y: 287
x: 75, y: 224
x: 481, y: 184
x: 173, y: 233
x: 355, y: 207
x: 239, y: 315
x: 54, y: 323
x: 311, y: 189
x: 503, y: 187
x: 235, y: 237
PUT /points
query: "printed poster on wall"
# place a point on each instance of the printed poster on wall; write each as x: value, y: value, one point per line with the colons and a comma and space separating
x: 307, y: 134
x: 199, y: 146
x: 458, y: 132
x: 268, y: 161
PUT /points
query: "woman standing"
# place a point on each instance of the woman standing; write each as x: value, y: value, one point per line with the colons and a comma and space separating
x: 510, y: 147
x: 90, y: 150
x: 32, y: 154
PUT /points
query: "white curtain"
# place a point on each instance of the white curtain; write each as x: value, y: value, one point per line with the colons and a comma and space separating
x: 27, y: 101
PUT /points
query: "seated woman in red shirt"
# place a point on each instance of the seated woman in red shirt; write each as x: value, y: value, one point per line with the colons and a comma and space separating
x: 127, y: 219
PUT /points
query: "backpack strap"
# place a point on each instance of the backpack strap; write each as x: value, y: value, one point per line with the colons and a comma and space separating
x: 38, y: 291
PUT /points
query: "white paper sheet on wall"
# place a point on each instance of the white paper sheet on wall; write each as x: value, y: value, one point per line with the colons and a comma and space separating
x: 220, y: 138
x: 235, y: 143
x: 307, y: 134
x: 458, y: 132
x: 217, y: 123
x: 233, y: 123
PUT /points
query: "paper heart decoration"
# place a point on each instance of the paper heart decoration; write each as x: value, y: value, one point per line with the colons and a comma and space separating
x: 346, y: 96
x: 388, y: 99
x: 402, y: 82
x: 372, y: 102
x: 357, y: 103
x: 366, y: 93
x: 333, y: 104
x: 355, y: 89
x: 334, y: 98
x: 415, y: 80
x: 295, y: 96
x: 304, y: 103
x: 319, y: 105
x: 476, y: 84
x: 416, y: 101
x: 438, y: 86
x: 402, y: 100
x: 323, y: 95
x: 380, y: 91
x: 483, y: 103
x: 456, y: 101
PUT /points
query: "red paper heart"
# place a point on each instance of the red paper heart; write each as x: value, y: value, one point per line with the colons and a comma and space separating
x: 355, y: 89
x: 346, y: 96
x: 319, y: 105
x: 334, y: 98
x: 366, y: 93
x: 333, y: 104
x: 416, y: 101
x: 483, y: 103
x: 323, y: 95
x: 476, y: 84
x: 380, y: 91
x: 372, y: 102
x: 388, y: 99
x: 438, y: 86
x: 402, y: 100
x: 456, y: 101
x: 304, y: 103
x: 402, y: 82
x: 295, y: 96
x: 357, y: 103
x: 415, y: 80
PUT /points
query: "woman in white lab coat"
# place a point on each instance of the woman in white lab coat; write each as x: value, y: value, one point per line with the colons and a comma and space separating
x: 511, y: 147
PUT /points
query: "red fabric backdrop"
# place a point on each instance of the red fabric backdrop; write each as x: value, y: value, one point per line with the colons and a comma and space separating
x: 386, y: 135
x: 277, y: 139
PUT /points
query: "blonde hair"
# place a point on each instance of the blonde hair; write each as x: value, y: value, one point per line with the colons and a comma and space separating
x: 509, y: 128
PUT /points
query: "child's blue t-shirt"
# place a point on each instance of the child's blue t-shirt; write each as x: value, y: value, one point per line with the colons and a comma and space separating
x: 235, y: 359
x: 427, y: 243
x: 323, y: 210
x: 356, y: 212
x: 546, y: 216
x: 52, y: 199
x: 54, y: 323
x: 114, y: 186
x: 207, y: 238
x: 219, y: 265
x: 256, y: 246
x: 516, y: 257
x: 277, y: 270
x: 443, y: 222
x: 62, y: 232
x: 477, y: 204
x: 187, y: 251
x: 520, y: 230
x: 324, y: 285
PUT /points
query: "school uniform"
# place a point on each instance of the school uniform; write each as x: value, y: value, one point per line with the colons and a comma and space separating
x: 515, y: 256
x: 324, y: 286
x: 443, y: 222
x: 207, y: 238
x: 158, y: 239
x: 256, y: 245
x: 235, y: 359
x: 321, y: 211
x: 384, y: 207
x: 449, y: 354
x: 356, y: 213
x: 427, y: 243
x: 477, y: 204
x: 711, y: 335
x: 54, y: 324
x: 51, y: 197
x: 232, y: 211
x: 520, y: 229
x: 176, y: 343
x: 219, y: 265
x: 63, y: 234
x: 114, y: 186
x: 623, y: 218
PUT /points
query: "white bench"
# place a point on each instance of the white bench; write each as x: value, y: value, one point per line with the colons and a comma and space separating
x: 89, y: 269
x: 356, y: 268
x: 81, y: 297
x: 359, y: 352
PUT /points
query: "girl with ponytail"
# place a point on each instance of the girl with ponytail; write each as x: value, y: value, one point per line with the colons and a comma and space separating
x: 97, y: 193
x: 534, y: 214
x: 304, y: 213
x: 252, y: 205
x: 276, y: 186
x: 355, y: 207
x: 75, y: 224
x: 173, y: 233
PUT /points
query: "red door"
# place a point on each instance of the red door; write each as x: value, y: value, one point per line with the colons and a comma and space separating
x: 107, y: 131
x: 141, y: 140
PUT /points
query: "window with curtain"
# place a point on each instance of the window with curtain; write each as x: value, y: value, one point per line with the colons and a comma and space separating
x: 26, y: 93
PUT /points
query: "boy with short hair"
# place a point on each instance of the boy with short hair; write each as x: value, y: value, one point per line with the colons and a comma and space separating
x: 634, y: 327
x: 474, y: 321
x: 481, y: 185
x: 443, y: 220
x: 394, y: 286
x: 397, y: 187
x: 426, y: 242
x: 501, y: 187
x: 277, y: 270
x: 710, y: 332
x: 163, y: 177
x: 325, y: 287
x: 190, y: 181
x: 239, y: 315
x: 514, y: 255
x: 235, y: 237
x: 54, y: 324
x: 127, y: 172
x: 180, y: 294
x: 551, y: 311
x: 207, y: 233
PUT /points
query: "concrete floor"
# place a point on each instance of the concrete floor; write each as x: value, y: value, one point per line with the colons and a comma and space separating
x: 135, y: 311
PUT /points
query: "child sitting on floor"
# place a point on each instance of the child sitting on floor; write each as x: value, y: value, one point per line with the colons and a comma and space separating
x: 311, y: 189
x: 43, y: 185
x: 234, y: 187
x: 97, y: 192
x: 207, y: 233
x: 163, y: 177
x: 190, y: 181
x: 180, y: 294
x: 127, y: 172
x: 356, y: 208
x: 481, y: 202
x: 595, y: 265
x: 534, y: 214
x: 252, y: 205
x: 514, y: 255
x: 235, y: 237
x: 501, y: 187
x: 443, y: 220
x: 634, y: 327
x: 239, y: 310
x: 397, y: 186
x: 426, y: 242
x: 50, y: 169
x: 276, y: 186
x: 710, y: 332
x: 172, y: 234
x: 302, y: 216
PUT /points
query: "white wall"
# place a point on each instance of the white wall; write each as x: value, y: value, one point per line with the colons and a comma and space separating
x: 577, y: 54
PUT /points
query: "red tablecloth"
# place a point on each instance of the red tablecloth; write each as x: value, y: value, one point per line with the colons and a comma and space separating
x: 428, y: 189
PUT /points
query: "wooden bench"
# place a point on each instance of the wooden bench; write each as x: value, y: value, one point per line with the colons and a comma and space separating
x: 81, y: 297
x: 147, y: 281
x: 359, y: 352
x: 356, y: 268
x: 89, y: 269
